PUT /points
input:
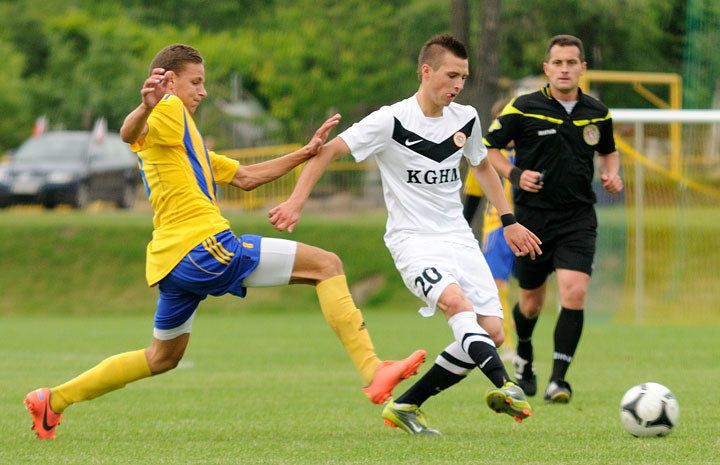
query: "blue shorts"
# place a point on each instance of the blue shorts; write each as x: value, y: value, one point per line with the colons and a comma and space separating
x: 499, y: 256
x: 215, y: 267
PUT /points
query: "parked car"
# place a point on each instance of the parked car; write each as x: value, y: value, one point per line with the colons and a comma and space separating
x: 73, y: 167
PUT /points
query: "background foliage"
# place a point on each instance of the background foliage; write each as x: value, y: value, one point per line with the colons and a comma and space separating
x: 75, y: 60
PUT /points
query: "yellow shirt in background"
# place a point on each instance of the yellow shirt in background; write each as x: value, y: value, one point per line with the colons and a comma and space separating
x: 491, y: 220
x: 181, y: 178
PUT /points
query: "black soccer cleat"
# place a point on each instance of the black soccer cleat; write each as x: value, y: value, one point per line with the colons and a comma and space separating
x: 558, y: 392
x: 525, y: 375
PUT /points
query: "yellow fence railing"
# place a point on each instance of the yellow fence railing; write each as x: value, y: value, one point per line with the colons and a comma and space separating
x: 657, y: 256
x: 270, y: 192
x: 343, y: 176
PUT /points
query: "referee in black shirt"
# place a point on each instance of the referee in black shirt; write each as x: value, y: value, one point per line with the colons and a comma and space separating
x: 557, y: 131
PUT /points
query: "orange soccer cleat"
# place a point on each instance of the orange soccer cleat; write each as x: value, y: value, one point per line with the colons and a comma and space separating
x: 389, y: 373
x: 44, y: 419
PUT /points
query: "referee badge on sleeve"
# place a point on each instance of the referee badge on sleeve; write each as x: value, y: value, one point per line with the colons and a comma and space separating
x: 591, y: 134
x: 460, y: 138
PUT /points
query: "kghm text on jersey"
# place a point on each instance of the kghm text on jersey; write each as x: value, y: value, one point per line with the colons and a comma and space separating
x: 433, y: 176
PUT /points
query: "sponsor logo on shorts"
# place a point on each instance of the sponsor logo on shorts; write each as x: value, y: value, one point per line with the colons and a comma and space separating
x: 547, y: 132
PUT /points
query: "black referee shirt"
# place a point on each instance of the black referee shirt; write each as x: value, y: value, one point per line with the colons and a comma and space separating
x: 562, y: 145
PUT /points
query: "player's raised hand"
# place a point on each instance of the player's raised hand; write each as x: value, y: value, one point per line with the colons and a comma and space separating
x: 285, y: 215
x: 322, y: 134
x: 155, y: 87
x: 522, y: 241
x: 611, y: 182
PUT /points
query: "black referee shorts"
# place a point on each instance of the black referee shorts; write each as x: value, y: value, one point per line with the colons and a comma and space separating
x: 568, y: 242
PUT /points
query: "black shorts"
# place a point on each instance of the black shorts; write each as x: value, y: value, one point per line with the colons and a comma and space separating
x: 568, y: 242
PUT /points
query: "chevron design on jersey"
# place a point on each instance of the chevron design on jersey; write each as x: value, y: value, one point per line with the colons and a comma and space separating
x: 434, y: 151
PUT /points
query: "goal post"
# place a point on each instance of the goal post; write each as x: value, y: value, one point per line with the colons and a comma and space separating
x: 672, y: 219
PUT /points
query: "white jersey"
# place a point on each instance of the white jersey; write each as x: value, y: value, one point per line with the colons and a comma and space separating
x: 419, y: 161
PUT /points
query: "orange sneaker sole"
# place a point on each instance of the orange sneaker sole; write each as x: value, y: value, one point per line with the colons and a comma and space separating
x: 385, y: 380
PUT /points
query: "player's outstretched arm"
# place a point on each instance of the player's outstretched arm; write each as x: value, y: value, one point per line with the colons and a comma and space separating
x: 610, y: 178
x: 287, y: 214
x: 251, y: 176
x: 135, y: 125
x: 520, y: 239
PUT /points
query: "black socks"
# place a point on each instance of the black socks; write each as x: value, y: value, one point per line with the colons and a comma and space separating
x: 437, y: 379
x: 567, y: 335
x: 524, y: 327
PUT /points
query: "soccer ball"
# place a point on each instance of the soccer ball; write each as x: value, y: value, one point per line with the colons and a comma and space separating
x: 649, y: 409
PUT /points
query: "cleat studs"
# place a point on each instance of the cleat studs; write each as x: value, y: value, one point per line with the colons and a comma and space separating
x: 390, y: 424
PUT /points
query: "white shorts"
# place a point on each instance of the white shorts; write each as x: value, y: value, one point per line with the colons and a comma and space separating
x: 427, y: 268
x: 277, y: 259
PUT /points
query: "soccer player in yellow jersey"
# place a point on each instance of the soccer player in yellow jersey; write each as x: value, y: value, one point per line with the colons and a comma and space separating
x: 498, y: 255
x: 193, y: 253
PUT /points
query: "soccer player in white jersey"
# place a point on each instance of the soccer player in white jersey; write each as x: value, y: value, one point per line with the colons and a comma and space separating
x: 418, y: 144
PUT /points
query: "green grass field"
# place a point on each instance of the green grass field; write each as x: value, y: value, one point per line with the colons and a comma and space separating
x: 264, y: 380
x: 278, y: 389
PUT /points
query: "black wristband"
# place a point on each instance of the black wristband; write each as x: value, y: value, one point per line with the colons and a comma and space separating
x: 514, y: 176
x: 508, y: 219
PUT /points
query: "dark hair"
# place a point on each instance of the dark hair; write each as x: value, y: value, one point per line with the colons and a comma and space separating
x: 174, y: 57
x: 435, y: 47
x: 565, y: 40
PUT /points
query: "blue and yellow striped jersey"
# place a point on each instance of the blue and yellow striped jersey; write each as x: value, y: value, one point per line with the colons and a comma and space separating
x: 181, y: 178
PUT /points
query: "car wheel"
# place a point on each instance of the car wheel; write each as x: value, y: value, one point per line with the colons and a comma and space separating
x: 127, y: 196
x: 82, y: 196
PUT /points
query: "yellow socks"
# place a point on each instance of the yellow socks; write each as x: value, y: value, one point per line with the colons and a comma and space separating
x: 347, y: 322
x: 110, y: 374
x: 507, y: 318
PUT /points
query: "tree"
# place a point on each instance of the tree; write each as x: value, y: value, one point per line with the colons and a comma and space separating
x: 77, y: 59
x: 350, y: 56
x: 16, y: 122
x: 482, y: 88
x: 638, y: 35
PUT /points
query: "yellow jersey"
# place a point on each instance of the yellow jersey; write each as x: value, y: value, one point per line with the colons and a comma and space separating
x: 491, y: 220
x: 181, y: 178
